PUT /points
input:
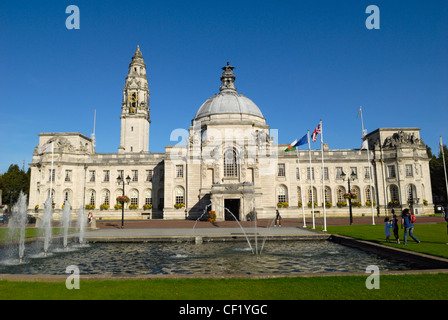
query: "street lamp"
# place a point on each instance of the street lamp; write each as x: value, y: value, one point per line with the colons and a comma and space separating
x: 120, y: 180
x: 351, y: 178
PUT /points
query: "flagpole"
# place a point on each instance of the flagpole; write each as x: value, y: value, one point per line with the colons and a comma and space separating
x: 444, y: 167
x: 51, y: 172
x: 370, y: 169
x: 301, y: 188
x: 311, y: 181
x: 323, y: 174
x: 370, y: 184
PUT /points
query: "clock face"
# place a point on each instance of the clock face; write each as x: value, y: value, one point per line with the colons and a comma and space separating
x: 133, y: 97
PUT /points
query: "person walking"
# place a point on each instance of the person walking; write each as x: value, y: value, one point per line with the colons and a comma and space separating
x: 387, y: 227
x: 395, y: 228
x: 278, y: 219
x: 408, y: 226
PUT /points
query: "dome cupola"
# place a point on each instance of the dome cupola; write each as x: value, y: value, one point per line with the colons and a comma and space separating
x: 228, y: 101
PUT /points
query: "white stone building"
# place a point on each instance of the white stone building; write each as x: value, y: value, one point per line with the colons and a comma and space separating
x: 231, y: 160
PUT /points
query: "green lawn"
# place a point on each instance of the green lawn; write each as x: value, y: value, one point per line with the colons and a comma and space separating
x: 392, y: 287
x: 29, y: 233
x: 420, y: 287
x: 433, y: 237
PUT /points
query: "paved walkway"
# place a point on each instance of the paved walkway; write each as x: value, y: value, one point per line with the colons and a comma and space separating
x: 147, y: 230
x: 175, y: 230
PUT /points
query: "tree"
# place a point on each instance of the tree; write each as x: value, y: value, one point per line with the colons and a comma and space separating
x: 14, y: 181
x: 438, y: 176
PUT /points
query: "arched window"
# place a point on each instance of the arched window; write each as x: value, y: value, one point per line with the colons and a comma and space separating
x: 179, y: 195
x: 91, y: 194
x: 340, y: 191
x: 327, y: 194
x: 312, y: 196
x: 394, y: 193
x: 118, y: 193
x: 134, y: 197
x: 148, y: 196
x: 411, y: 193
x: 67, y: 195
x: 230, y: 164
x: 369, y: 196
x: 355, y: 190
x: 282, y: 194
x: 105, y: 197
x: 299, y: 194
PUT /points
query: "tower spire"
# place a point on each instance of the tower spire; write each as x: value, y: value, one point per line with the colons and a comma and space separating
x: 135, y: 118
x: 227, y: 78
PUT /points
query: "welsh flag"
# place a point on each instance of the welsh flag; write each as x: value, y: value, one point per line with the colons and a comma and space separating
x: 295, y: 143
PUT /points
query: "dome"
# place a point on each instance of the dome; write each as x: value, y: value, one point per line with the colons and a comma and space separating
x: 228, y: 101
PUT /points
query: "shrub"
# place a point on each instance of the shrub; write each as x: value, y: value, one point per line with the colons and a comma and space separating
x: 282, y: 204
x: 310, y: 204
x: 341, y: 204
x: 179, y: 205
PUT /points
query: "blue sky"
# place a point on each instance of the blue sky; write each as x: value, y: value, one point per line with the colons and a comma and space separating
x: 299, y: 61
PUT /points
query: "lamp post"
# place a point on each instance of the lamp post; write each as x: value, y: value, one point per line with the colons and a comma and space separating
x: 120, y: 180
x: 351, y: 178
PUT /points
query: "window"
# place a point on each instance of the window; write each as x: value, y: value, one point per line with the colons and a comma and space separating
x: 312, y: 196
x: 394, y: 193
x: 134, y: 175
x: 299, y: 192
x: 106, y: 175
x: 120, y: 173
x: 92, y: 197
x: 179, y: 195
x: 67, y: 195
x: 354, y: 171
x: 310, y: 174
x: 281, y: 170
x: 369, y: 195
x: 105, y: 197
x: 326, y: 173
x: 68, y: 175
x: 179, y: 171
x: 148, y: 196
x: 409, y: 172
x: 391, y: 171
x: 282, y: 194
x: 297, y: 173
x: 367, y: 173
x: 134, y: 197
x: 51, y: 173
x: 411, y: 193
x: 340, y: 191
x: 355, y: 191
x: 230, y: 164
x: 327, y: 194
x: 148, y: 175
x: 338, y: 172
x: 92, y: 175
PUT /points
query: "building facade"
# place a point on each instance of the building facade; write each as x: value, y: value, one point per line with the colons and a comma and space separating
x: 231, y: 164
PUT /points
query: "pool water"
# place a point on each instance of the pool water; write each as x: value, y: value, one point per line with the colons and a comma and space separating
x: 214, y: 258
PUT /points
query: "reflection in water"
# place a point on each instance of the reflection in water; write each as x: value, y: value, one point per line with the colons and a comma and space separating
x: 208, y: 258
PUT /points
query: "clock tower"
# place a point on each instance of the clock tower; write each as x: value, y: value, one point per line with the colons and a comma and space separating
x: 135, y: 108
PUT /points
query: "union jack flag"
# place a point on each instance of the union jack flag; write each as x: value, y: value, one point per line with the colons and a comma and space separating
x: 317, y: 131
